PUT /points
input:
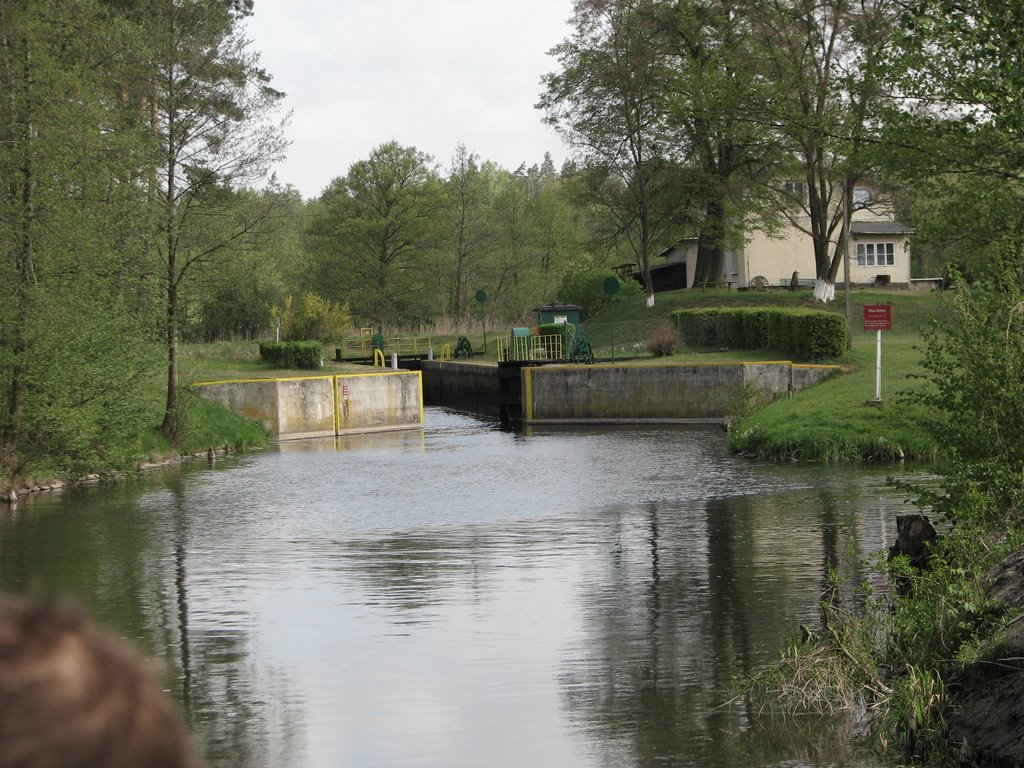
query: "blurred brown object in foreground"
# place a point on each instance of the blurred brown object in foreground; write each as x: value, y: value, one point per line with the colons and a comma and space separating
x: 74, y: 696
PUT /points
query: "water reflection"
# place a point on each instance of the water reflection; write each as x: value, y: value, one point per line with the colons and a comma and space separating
x: 462, y: 596
x: 687, y: 598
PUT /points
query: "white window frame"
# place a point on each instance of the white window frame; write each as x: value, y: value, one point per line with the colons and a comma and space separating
x: 876, y: 254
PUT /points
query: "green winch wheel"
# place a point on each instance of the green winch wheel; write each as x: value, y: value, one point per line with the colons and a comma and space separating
x: 463, y: 348
x: 581, y: 352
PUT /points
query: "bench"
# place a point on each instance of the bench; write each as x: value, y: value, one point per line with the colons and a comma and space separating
x: 934, y: 283
x: 803, y: 282
x: 727, y: 284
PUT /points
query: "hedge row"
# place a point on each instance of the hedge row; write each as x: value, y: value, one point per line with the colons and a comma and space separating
x: 803, y: 334
x: 302, y: 355
x: 566, y: 330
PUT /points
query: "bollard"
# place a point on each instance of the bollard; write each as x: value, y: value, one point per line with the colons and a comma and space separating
x: 430, y: 353
x: 394, y: 361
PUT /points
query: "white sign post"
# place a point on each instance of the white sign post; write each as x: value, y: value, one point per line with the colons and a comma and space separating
x: 878, y: 318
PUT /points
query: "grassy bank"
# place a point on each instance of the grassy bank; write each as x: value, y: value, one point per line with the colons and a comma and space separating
x: 840, y: 419
x: 836, y: 421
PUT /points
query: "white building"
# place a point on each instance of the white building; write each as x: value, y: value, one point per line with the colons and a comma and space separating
x: 879, y: 250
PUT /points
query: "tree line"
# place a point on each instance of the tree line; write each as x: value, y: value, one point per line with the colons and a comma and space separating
x: 135, y: 138
x: 127, y: 128
x: 711, y: 118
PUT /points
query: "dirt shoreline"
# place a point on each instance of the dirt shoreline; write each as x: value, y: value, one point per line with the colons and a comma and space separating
x: 11, y: 495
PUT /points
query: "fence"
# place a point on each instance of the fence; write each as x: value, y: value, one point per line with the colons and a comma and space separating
x: 403, y: 345
x: 622, y: 339
x: 530, y: 348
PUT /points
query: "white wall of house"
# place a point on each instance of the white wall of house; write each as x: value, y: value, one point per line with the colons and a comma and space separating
x: 876, y: 248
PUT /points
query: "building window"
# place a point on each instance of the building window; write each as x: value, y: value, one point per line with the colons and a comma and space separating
x: 876, y: 254
x: 861, y: 198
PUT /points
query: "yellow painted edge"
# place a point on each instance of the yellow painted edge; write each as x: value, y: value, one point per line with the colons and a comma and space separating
x: 542, y: 368
x: 337, y: 406
x: 562, y: 367
x: 275, y: 380
x: 386, y: 372
x: 420, y: 375
x: 302, y: 378
x: 528, y: 392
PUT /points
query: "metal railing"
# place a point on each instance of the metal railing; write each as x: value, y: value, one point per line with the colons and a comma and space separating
x: 530, y: 348
x: 403, y: 345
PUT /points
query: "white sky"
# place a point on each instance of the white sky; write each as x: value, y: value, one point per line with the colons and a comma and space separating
x: 426, y: 73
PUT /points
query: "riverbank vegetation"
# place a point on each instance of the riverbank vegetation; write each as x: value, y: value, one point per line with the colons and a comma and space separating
x: 931, y: 660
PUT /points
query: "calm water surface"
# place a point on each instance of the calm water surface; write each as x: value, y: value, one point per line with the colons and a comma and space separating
x: 464, y: 596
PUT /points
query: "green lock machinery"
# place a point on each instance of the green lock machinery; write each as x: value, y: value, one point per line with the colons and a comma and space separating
x: 463, y: 348
x: 580, y: 351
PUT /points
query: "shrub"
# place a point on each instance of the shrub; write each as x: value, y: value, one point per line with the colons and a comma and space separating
x: 697, y: 327
x: 803, y: 334
x: 755, y: 329
x: 302, y: 355
x: 566, y: 331
x: 663, y: 341
x: 586, y: 290
x: 314, y: 318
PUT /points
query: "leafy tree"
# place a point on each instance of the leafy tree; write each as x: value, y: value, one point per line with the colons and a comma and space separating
x: 607, y: 102
x: 715, y: 88
x: 370, y: 233
x: 536, y: 239
x: 465, y: 239
x: 586, y: 290
x: 954, y: 134
x: 958, y: 66
x: 823, y: 57
x: 210, y: 106
x: 966, y: 60
x: 73, y: 344
x: 313, y: 319
x: 232, y: 298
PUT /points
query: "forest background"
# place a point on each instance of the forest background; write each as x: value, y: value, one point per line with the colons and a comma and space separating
x: 136, y: 213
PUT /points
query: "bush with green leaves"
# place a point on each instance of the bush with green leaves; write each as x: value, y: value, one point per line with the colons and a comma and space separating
x: 302, y: 355
x: 83, y: 400
x: 313, y: 317
x: 974, y: 371
x: 802, y: 333
x: 587, y: 290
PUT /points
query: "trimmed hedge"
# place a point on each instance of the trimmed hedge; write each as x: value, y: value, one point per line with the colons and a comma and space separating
x: 804, y: 334
x: 302, y: 355
x: 566, y: 330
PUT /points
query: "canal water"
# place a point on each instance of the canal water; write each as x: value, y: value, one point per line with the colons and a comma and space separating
x: 464, y: 596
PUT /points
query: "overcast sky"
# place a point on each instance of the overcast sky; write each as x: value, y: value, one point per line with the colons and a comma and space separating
x: 426, y: 73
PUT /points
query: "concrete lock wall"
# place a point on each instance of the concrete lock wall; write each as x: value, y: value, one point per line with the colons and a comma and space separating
x: 464, y: 386
x: 675, y: 392
x: 324, y: 406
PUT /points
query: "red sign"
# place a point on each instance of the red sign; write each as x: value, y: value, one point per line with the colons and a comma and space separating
x: 878, y: 317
